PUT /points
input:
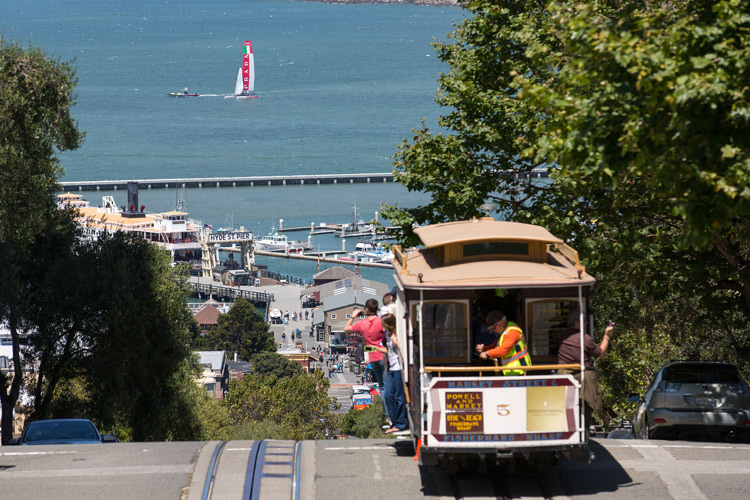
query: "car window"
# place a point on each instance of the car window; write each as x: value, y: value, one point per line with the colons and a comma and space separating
x: 702, y: 374
x: 41, y: 431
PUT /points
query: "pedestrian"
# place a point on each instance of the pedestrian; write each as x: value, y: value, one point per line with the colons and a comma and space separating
x: 389, y: 305
x: 294, y: 316
x: 569, y: 352
x: 371, y: 330
x: 510, y: 347
x: 395, y: 396
x: 306, y: 312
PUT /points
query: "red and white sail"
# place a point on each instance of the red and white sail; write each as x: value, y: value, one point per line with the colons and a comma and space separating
x: 246, y: 74
x: 248, y: 68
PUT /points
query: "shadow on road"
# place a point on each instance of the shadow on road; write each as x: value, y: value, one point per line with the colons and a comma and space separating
x: 604, y: 474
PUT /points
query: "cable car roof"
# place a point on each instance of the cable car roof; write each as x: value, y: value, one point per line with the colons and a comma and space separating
x: 462, y: 255
x: 480, y: 230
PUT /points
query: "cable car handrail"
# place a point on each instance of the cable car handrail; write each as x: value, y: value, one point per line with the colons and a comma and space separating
x: 569, y: 253
x: 464, y: 369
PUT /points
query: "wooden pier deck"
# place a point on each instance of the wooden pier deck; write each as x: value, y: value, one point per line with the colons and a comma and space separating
x: 323, y: 258
x: 208, y: 288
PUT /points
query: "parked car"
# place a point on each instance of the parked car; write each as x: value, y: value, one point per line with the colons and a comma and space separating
x: 358, y: 390
x: 694, y: 399
x: 62, y: 431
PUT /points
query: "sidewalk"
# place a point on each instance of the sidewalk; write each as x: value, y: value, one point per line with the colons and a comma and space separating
x: 287, y: 298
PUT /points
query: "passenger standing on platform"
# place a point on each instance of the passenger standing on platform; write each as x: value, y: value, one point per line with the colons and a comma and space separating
x: 371, y: 330
x: 569, y: 352
x: 395, y: 397
x: 389, y: 305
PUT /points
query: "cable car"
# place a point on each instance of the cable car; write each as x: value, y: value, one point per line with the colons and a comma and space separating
x: 462, y: 406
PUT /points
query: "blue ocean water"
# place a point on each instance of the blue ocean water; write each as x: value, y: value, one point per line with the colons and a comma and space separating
x: 339, y: 87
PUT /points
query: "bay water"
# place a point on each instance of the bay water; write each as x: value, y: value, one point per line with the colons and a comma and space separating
x: 339, y: 88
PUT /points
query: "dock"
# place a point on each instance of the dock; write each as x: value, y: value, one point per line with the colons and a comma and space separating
x: 322, y: 257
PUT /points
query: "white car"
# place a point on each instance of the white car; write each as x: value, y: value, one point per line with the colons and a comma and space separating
x: 358, y: 390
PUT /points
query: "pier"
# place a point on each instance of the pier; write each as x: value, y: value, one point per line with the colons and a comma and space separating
x: 224, y: 182
x: 217, y: 290
x: 255, y: 181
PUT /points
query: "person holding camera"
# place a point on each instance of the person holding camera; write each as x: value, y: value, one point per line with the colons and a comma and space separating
x: 371, y: 329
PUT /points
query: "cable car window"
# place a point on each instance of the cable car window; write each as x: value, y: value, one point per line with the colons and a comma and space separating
x: 547, y: 318
x: 495, y: 248
x: 445, y: 330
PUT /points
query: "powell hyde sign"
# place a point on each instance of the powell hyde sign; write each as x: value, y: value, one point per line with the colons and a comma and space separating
x: 243, y: 236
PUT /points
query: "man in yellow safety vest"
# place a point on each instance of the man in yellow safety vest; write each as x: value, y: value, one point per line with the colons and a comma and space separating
x: 510, y: 348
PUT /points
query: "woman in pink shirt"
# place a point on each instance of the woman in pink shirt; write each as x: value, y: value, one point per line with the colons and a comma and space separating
x: 371, y: 330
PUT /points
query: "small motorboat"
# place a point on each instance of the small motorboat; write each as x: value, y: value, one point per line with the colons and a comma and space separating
x: 184, y: 93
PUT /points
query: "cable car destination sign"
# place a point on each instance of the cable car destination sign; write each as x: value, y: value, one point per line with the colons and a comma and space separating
x: 230, y: 237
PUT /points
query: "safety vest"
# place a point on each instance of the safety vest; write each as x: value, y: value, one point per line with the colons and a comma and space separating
x: 518, y: 354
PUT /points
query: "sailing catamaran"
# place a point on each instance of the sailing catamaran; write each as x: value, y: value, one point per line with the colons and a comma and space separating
x: 243, y: 89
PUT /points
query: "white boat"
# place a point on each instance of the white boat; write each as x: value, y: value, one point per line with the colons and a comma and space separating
x: 173, y: 230
x: 358, y: 226
x: 368, y: 252
x: 245, y: 84
x: 275, y: 242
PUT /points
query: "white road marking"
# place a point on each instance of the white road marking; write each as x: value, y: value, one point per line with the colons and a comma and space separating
x: 18, y: 453
x: 377, y: 476
x: 358, y: 448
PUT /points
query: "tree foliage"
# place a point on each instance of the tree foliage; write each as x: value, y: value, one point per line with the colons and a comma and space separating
x: 640, y: 112
x: 269, y: 364
x: 299, y: 405
x: 36, y: 94
x: 121, y: 339
x: 242, y: 330
x: 366, y: 423
x: 138, y: 366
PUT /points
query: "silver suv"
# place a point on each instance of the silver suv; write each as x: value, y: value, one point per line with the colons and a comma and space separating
x: 694, y: 399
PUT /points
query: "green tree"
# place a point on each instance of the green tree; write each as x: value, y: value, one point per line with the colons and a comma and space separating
x: 640, y: 111
x: 36, y: 94
x: 477, y: 157
x: 299, y: 405
x: 273, y: 364
x: 366, y: 423
x: 138, y: 368
x: 647, y: 129
x: 242, y: 330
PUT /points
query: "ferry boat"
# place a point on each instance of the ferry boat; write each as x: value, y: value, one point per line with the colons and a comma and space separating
x: 275, y: 242
x: 172, y: 231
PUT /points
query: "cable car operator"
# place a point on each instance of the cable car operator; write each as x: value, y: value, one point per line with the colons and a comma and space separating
x: 511, y: 348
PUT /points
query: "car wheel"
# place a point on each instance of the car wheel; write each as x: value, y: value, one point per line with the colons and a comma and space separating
x: 645, y: 431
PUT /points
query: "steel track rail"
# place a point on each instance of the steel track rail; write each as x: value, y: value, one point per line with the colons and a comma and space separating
x: 212, y: 468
